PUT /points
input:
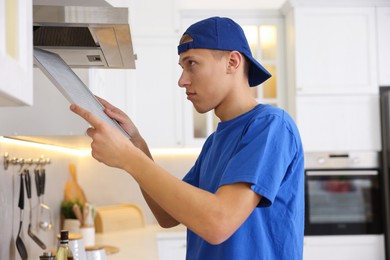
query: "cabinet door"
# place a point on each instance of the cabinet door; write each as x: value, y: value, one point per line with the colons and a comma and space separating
x: 157, y: 107
x: 335, y: 50
x: 171, y: 247
x: 339, y: 123
x: 16, y: 84
x: 356, y: 247
x: 383, y: 18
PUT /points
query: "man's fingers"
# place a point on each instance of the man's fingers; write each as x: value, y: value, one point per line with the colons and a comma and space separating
x: 90, y: 131
x: 88, y: 116
x: 101, y: 100
x: 104, y: 102
x: 112, y: 111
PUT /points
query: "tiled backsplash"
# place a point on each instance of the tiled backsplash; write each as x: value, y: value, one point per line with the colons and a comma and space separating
x: 102, y: 185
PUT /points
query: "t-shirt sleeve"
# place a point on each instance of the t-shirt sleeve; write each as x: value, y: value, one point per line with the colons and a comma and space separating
x: 192, y: 177
x: 263, y: 156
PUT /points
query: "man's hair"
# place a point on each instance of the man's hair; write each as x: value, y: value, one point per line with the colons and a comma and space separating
x: 185, y: 38
x: 218, y: 54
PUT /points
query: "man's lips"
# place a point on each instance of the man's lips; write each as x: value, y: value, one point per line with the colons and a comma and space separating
x: 190, y: 95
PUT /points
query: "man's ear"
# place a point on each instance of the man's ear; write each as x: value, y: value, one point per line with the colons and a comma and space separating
x: 235, y: 60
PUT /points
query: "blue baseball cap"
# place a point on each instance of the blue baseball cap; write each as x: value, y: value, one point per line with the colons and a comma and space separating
x: 220, y: 33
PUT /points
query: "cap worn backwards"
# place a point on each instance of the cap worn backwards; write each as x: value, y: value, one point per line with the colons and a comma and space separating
x: 220, y: 33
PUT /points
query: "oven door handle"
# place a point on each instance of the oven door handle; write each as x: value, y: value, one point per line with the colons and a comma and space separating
x: 342, y: 173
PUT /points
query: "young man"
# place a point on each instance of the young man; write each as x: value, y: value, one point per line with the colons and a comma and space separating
x: 244, y: 197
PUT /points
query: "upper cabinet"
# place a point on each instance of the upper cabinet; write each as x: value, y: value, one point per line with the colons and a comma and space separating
x: 335, y: 50
x: 383, y: 21
x: 332, y: 74
x: 158, y: 102
x: 16, y: 84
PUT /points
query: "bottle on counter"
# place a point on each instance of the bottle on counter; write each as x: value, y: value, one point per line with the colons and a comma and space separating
x: 46, y: 256
x: 63, y: 251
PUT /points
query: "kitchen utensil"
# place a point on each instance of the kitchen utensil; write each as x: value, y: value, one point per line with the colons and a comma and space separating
x: 77, y: 212
x: 19, y: 242
x: 89, y: 214
x: 45, y: 217
x: 85, y: 213
x: 73, y: 191
x: 28, y: 189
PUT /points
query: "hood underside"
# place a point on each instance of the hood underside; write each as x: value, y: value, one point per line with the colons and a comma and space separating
x: 85, y: 36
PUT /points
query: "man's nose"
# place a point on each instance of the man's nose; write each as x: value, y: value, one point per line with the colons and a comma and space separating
x: 183, y: 80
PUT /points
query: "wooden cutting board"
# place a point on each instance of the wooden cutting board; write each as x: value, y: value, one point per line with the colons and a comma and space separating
x: 73, y: 191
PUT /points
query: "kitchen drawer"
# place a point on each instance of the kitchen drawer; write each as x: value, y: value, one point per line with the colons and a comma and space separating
x: 172, y: 245
x: 344, y: 247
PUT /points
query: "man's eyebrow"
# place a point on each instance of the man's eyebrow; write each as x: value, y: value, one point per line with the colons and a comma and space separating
x: 184, y: 59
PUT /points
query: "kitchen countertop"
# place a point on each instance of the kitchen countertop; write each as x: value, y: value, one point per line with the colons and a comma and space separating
x: 139, y: 243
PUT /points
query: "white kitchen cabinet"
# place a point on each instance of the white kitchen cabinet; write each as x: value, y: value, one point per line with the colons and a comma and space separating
x: 332, y: 76
x: 157, y: 103
x: 351, y: 247
x: 171, y: 245
x: 383, y: 22
x: 16, y: 84
x: 339, y: 123
x: 334, y: 50
x: 116, y: 86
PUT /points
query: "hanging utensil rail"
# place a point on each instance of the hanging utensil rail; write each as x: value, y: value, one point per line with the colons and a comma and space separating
x: 41, y: 161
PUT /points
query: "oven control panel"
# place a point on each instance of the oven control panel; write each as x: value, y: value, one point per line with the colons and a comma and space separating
x: 330, y: 160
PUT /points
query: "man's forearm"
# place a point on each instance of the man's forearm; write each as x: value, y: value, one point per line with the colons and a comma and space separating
x: 163, y: 218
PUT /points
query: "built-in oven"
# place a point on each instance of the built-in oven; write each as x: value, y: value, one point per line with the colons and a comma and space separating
x: 342, y: 194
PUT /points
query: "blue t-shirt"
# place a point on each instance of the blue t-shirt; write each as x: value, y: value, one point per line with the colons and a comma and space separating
x: 261, y: 147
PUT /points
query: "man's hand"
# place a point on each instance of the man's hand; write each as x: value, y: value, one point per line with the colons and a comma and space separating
x: 108, y: 145
x: 118, y: 115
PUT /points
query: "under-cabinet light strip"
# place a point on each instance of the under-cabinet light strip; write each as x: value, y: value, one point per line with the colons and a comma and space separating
x: 48, y: 147
x: 86, y: 152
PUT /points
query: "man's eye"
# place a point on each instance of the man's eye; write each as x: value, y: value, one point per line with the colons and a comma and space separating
x: 191, y: 62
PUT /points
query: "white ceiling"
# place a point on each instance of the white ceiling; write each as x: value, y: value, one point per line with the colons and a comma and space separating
x: 230, y: 4
x: 211, y: 5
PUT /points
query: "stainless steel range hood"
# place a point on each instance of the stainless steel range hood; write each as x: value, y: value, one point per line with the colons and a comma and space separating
x: 83, y: 35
